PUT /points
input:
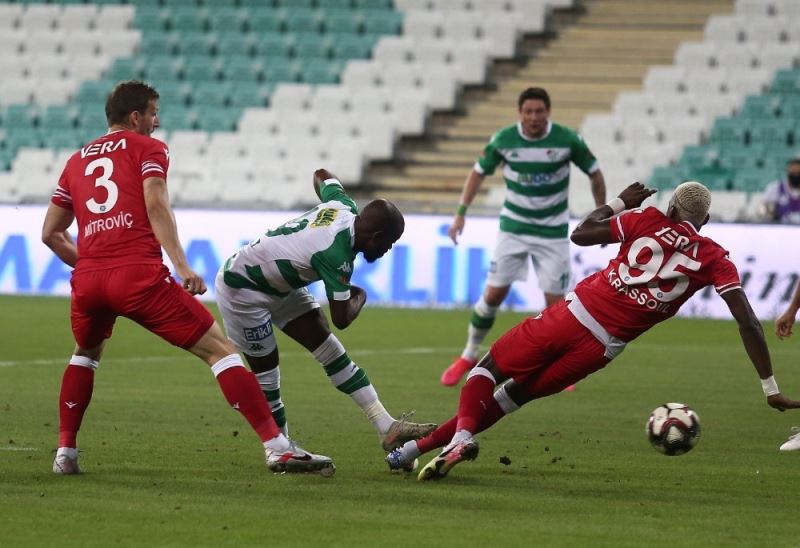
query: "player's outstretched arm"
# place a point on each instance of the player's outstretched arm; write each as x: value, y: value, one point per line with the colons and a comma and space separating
x: 756, y: 346
x: 344, y: 312
x: 159, y: 212
x: 595, y: 229
x: 319, y: 176
x: 471, y: 186
x: 55, y: 235
x: 784, y: 322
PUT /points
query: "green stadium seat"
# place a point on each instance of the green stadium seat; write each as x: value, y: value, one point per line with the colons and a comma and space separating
x: 58, y: 117
x: 265, y: 21
x: 280, y: 70
x: 295, y: 4
x: 177, y: 118
x: 383, y: 22
x: 274, y: 46
x: 94, y: 91
x: 234, y: 44
x: 775, y: 132
x: 210, y: 95
x: 697, y: 157
x: 374, y: 4
x: 311, y: 46
x: 303, y: 21
x: 786, y: 81
x: 92, y: 118
x: 125, y: 68
x: 317, y: 71
x: 23, y: 137
x: 200, y: 69
x: 241, y: 69
x: 66, y: 139
x: 342, y: 21
x: 250, y: 95
x: 162, y: 69
x: 188, y: 19
x: 339, y: 4
x: 665, y: 178
x: 151, y: 19
x: 761, y: 106
x: 728, y: 130
x: 351, y: 47
x: 19, y: 117
x: 219, y: 119
x: 227, y: 21
x: 751, y: 180
x: 195, y: 43
x: 172, y: 94
x: 156, y: 43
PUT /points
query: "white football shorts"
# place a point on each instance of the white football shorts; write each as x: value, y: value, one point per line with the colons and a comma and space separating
x: 249, y: 315
x: 550, y: 258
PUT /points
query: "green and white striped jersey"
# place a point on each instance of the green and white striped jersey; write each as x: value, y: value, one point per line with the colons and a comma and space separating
x: 536, y: 172
x: 317, y: 245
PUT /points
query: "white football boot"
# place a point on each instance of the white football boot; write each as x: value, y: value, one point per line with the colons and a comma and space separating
x: 297, y: 460
x: 793, y: 443
x: 66, y: 462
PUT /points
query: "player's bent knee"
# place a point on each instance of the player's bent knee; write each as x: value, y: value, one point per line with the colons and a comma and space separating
x: 213, y: 345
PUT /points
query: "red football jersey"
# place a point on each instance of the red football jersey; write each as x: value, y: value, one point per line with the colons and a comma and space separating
x: 102, y: 185
x: 660, y: 265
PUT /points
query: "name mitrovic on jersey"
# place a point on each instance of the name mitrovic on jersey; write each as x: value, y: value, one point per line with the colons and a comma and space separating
x: 102, y: 183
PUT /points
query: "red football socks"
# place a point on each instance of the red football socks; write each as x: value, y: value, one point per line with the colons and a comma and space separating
x: 76, y: 393
x: 243, y: 393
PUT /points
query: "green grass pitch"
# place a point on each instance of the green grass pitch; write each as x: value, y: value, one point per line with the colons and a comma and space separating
x: 167, y: 463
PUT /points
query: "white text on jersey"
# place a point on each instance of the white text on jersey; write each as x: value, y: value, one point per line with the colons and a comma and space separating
x: 671, y: 237
x: 96, y: 149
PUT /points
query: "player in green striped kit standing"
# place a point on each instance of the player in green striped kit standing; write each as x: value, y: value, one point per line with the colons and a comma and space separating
x: 535, y: 153
x: 264, y: 284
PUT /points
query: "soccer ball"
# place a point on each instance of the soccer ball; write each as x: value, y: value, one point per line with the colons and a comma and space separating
x: 673, y: 429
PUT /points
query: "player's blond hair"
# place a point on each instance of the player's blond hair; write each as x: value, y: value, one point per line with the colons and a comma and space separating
x: 692, y: 200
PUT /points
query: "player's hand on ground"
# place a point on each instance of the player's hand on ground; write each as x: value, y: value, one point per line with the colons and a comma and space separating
x: 635, y: 194
x: 783, y: 325
x: 782, y: 403
x: 456, y: 228
x: 192, y: 282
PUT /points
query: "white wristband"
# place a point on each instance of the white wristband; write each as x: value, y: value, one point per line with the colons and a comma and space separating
x: 769, y: 386
x: 332, y: 181
x: 616, y: 205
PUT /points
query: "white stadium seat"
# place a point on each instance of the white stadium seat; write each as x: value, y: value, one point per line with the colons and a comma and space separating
x: 667, y: 78
x: 78, y: 17
x: 696, y: 54
x: 114, y: 17
x: 724, y: 28
x: 40, y: 16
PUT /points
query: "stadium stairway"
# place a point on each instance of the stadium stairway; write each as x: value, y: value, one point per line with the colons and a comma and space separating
x: 589, y: 54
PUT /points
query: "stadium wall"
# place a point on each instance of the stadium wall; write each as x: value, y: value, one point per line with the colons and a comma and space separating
x: 423, y: 269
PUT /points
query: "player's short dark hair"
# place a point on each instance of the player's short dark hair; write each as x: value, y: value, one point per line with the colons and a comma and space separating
x: 793, y: 162
x: 127, y: 97
x: 538, y: 94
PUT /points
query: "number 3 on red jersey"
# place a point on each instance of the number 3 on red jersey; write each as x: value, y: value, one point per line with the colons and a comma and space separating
x: 103, y: 180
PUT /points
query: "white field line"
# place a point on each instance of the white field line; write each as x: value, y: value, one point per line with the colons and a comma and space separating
x: 364, y: 352
x: 14, y: 448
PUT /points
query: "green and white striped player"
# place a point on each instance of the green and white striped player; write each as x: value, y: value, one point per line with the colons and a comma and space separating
x: 264, y: 285
x: 535, y: 154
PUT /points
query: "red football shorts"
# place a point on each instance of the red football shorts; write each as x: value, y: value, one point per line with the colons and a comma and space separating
x: 146, y: 294
x: 549, y: 352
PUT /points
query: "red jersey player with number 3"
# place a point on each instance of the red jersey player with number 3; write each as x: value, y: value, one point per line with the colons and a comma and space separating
x: 662, y: 262
x: 116, y: 189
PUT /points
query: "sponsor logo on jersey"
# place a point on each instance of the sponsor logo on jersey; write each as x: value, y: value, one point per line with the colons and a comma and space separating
x: 258, y: 333
x: 255, y: 347
x: 325, y: 217
x: 345, y: 267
